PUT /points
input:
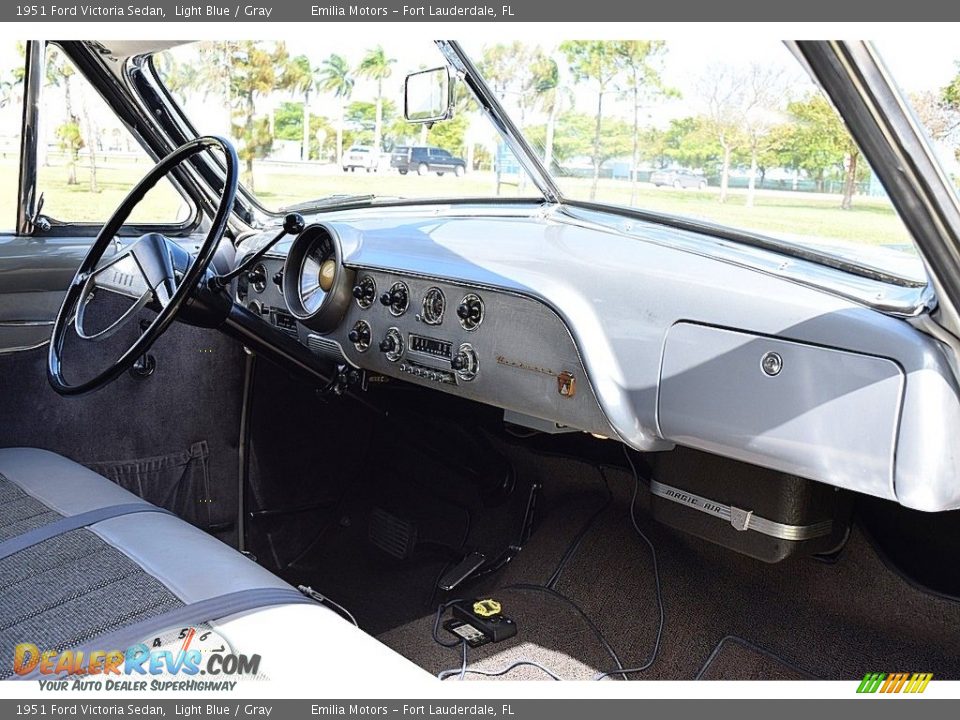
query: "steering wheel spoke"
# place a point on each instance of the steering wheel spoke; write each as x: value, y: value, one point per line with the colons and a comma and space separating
x: 155, y: 262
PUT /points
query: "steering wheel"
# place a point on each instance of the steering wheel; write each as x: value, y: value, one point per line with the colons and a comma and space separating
x: 154, y: 271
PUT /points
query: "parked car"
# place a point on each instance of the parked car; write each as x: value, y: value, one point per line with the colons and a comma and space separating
x: 361, y: 157
x: 425, y: 159
x: 680, y: 178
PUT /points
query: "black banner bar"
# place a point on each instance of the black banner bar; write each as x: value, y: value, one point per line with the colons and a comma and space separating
x: 485, y: 709
x: 319, y: 12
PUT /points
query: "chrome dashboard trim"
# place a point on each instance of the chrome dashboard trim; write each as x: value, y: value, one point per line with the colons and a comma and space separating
x: 741, y: 520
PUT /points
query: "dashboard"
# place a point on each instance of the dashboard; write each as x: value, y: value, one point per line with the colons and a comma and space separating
x: 655, y: 337
x: 477, y: 342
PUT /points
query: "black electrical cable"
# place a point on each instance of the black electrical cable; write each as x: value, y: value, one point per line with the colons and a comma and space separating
x: 593, y: 627
x: 497, y: 673
x: 578, y: 539
x: 656, y: 577
x: 436, y: 623
x: 463, y: 670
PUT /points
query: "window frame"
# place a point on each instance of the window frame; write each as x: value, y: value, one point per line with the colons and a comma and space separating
x: 29, y: 223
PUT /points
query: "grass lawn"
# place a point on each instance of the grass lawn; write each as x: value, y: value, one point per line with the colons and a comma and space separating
x: 784, y: 214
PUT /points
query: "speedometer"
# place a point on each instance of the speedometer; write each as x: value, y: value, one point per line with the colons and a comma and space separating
x: 316, y: 286
x: 317, y: 274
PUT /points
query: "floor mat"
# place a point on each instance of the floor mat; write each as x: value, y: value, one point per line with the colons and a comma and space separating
x: 738, y: 659
x: 835, y: 620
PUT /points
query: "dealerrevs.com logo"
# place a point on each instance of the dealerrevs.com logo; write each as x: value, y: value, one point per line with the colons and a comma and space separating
x: 891, y: 683
x: 172, y: 661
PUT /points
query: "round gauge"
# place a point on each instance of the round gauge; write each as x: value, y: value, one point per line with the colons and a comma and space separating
x: 433, y: 306
x: 317, y: 273
x: 316, y: 286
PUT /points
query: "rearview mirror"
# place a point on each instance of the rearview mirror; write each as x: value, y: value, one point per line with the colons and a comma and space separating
x: 428, y: 96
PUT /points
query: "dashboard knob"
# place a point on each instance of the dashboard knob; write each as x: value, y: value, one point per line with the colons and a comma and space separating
x: 470, y: 311
x: 257, y: 277
x: 360, y: 335
x: 278, y: 279
x: 396, y: 298
x: 392, y: 345
x: 465, y: 363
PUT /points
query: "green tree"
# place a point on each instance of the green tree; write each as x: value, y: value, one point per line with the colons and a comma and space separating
x: 596, y: 62
x: 335, y: 77
x: 689, y: 143
x: 12, y: 83
x: 376, y: 65
x: 818, y: 140
x: 70, y: 139
x: 255, y: 70
x: 642, y: 63
x: 59, y: 74
x: 450, y: 135
x: 300, y: 78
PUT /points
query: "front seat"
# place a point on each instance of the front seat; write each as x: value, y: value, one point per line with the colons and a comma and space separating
x: 85, y: 564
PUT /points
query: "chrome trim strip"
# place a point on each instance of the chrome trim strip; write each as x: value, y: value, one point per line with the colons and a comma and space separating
x: 24, y: 348
x: 493, y: 109
x: 26, y: 323
x: 740, y: 519
x: 29, y: 137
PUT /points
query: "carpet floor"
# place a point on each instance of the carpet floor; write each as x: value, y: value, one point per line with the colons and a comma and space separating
x: 727, y: 616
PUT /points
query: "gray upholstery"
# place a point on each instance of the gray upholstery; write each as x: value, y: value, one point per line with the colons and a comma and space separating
x: 86, y: 583
x: 194, y: 565
x: 69, y: 588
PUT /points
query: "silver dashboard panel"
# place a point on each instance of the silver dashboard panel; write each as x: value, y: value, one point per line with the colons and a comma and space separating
x: 524, y: 351
x: 803, y: 409
x: 619, y: 295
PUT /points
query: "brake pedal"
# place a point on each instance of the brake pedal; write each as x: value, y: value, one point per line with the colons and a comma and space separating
x: 395, y: 536
x: 461, y: 571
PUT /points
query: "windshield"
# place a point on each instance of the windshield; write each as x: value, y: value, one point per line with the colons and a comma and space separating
x: 732, y: 133
x: 315, y: 126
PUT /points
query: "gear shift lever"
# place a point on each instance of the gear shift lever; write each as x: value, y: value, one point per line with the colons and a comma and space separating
x: 293, y: 224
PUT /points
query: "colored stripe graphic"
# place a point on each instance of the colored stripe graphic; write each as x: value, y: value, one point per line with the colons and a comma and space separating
x: 890, y: 683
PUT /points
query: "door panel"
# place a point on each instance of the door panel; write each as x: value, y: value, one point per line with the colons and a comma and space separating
x: 33, y: 277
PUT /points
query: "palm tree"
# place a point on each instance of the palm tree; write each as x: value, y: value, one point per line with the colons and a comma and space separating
x: 334, y: 77
x: 377, y: 66
x: 301, y: 79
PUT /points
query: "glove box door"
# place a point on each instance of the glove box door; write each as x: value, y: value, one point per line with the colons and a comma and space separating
x: 815, y: 412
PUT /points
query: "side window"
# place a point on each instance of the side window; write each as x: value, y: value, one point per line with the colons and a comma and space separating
x: 11, y: 120
x: 87, y: 160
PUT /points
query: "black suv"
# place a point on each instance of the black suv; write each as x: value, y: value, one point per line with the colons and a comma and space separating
x: 424, y: 159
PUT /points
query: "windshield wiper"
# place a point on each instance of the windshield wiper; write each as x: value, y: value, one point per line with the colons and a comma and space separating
x: 331, y: 200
